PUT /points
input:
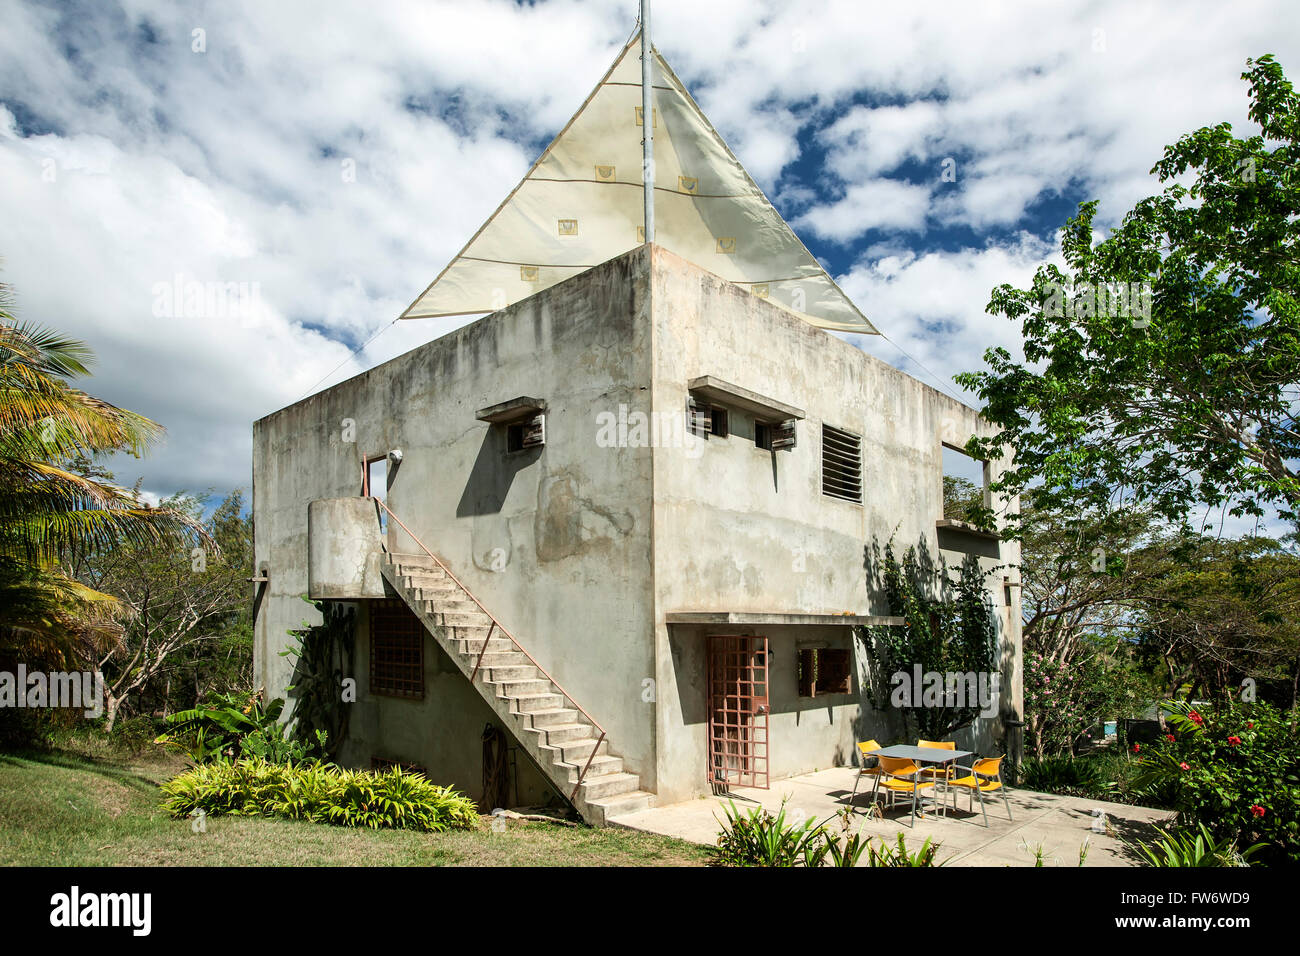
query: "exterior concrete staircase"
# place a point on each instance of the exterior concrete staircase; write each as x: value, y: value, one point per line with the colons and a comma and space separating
x: 572, y: 752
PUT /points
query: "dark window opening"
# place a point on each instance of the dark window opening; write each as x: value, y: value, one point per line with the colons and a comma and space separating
x: 703, y: 419
x: 824, y: 671
x: 841, y: 464
x: 529, y: 433
x: 396, y: 651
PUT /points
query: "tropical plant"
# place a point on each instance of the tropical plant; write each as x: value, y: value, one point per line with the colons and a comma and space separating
x: 761, y: 838
x: 48, y: 511
x: 320, y: 793
x: 1071, y: 776
x: 1234, y: 768
x: 899, y: 855
x: 233, y: 726
x: 1193, y: 847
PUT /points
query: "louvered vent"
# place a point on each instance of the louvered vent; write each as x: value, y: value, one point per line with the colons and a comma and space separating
x: 841, y: 464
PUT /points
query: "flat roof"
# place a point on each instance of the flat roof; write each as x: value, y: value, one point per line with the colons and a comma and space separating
x: 771, y: 617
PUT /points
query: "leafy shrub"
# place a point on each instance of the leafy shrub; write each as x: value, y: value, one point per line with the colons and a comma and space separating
x: 238, y: 726
x: 1063, y: 775
x: 1197, y: 848
x: 1236, y: 770
x: 899, y: 855
x: 761, y: 838
x: 321, y: 793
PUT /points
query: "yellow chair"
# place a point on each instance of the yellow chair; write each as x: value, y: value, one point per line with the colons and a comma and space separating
x: 938, y: 773
x: 864, y: 754
x: 902, y: 776
x: 985, y: 776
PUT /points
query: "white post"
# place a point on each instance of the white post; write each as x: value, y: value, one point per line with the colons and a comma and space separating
x: 647, y: 124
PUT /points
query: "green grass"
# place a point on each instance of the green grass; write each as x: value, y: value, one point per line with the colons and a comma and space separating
x: 69, y: 809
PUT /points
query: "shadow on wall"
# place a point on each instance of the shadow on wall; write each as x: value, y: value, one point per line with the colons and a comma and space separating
x: 492, y: 475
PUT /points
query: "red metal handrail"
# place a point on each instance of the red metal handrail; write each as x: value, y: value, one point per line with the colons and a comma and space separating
x: 504, y: 630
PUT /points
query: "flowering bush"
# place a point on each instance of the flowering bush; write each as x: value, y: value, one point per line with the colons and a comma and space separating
x: 1064, y: 700
x: 1238, y: 777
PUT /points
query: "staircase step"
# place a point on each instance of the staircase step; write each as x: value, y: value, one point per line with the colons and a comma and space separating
x: 501, y: 659
x: 601, y: 764
x: 535, y: 702
x: 621, y: 804
x: 609, y: 785
x: 429, y: 579
x: 577, y: 751
x: 400, y: 558
x: 549, y: 718
x: 558, y: 734
x: 475, y: 618
x: 501, y: 673
x: 524, y: 687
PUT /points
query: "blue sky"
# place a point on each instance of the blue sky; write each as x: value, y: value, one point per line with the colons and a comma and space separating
x: 129, y: 158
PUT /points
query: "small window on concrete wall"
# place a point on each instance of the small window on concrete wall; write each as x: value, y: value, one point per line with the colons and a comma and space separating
x: 396, y: 651
x: 964, y: 481
x: 841, y: 464
x: 824, y: 670
x: 528, y: 433
x: 775, y: 436
x: 704, y: 419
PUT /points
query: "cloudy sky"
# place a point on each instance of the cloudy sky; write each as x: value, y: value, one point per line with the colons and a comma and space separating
x: 129, y: 157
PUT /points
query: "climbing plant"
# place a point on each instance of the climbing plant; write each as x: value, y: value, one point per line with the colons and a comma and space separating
x: 948, y: 629
x: 324, y: 657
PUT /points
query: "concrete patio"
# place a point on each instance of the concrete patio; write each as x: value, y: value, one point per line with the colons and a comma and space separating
x: 1059, y: 824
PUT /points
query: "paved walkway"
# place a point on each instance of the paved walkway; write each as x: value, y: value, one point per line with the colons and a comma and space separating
x: 1058, y: 824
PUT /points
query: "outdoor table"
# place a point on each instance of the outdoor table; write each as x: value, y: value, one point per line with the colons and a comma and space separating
x: 924, y: 755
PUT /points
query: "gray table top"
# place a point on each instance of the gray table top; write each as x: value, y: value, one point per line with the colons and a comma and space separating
x: 921, y: 754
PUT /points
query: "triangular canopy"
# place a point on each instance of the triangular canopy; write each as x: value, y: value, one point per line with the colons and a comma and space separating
x: 581, y: 204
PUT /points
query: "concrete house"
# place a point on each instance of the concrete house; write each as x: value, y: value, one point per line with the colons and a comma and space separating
x: 622, y: 521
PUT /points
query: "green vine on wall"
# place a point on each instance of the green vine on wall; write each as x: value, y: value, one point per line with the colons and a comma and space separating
x: 948, y: 628
x: 324, y: 656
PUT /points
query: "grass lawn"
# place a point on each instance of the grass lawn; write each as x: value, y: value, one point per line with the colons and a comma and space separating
x: 68, y: 809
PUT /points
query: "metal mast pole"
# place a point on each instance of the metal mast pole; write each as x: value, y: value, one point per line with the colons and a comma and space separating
x: 647, y: 124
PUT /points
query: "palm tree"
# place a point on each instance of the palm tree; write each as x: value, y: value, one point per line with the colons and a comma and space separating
x: 49, y: 511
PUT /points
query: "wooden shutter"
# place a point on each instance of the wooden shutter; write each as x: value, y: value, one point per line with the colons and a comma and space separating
x: 783, y: 435
x: 534, y: 432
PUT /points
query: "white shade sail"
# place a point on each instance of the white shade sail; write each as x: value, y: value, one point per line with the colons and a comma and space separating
x: 581, y: 204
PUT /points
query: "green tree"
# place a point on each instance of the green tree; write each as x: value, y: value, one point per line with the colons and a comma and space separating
x: 1183, y: 392
x: 189, y: 628
x: 47, y: 510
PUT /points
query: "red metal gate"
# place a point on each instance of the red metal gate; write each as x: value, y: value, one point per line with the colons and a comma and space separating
x: 738, y: 711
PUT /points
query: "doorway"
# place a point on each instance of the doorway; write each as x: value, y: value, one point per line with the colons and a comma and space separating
x: 738, y: 711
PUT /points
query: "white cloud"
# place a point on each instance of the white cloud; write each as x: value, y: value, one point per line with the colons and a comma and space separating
x: 878, y: 204
x: 227, y: 165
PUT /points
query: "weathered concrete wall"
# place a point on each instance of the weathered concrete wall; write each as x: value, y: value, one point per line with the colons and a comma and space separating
x: 343, y: 549
x: 738, y: 528
x: 555, y: 541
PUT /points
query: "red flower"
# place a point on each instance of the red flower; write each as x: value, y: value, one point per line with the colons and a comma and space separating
x: 1185, y: 766
x: 1137, y: 747
x: 1194, y: 717
x: 1250, y: 725
x: 1169, y: 737
x: 1234, y: 741
x: 1256, y: 810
